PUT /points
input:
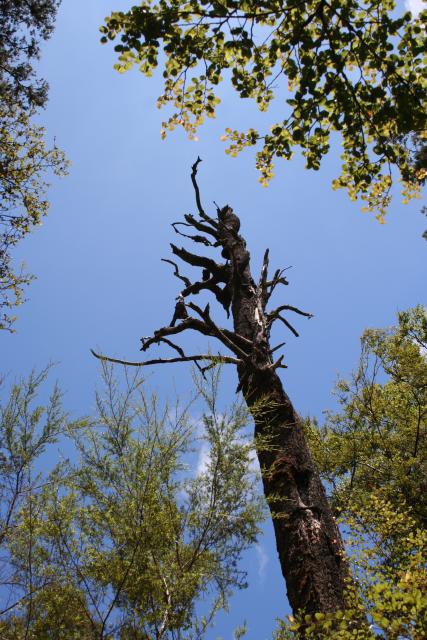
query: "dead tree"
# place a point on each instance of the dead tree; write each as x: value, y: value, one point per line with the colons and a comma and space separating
x: 307, y: 537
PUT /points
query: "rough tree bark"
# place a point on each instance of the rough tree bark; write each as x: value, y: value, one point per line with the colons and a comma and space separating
x: 307, y: 537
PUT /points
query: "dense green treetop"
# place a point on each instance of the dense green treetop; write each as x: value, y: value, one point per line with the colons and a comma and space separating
x: 348, y: 66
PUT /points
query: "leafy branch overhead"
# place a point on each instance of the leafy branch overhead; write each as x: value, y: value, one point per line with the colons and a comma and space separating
x: 348, y: 66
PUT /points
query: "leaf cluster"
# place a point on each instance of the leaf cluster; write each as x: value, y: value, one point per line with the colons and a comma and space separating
x: 25, y: 162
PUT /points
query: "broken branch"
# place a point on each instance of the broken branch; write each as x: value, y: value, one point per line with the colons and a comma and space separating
x: 199, y: 261
x: 262, y: 285
x: 287, y: 324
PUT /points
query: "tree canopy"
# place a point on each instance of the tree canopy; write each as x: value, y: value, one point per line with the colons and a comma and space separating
x: 25, y: 158
x: 354, y: 67
x: 23, y: 24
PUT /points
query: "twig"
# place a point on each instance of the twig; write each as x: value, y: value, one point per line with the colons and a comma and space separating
x: 288, y: 307
x: 278, y: 364
x: 176, y: 273
x: 282, y: 344
x: 197, y: 192
x: 288, y: 324
x: 196, y: 238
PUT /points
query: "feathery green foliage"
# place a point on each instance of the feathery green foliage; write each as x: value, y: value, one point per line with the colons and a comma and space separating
x: 131, y: 541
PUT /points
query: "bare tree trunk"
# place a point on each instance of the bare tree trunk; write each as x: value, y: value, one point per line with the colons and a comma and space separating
x: 307, y: 537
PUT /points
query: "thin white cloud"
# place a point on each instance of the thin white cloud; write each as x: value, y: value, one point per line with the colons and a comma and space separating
x: 263, y: 560
x: 203, y: 459
x: 415, y: 6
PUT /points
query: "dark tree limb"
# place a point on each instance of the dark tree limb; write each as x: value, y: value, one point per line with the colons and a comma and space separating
x: 210, y: 285
x: 222, y: 335
x: 219, y: 270
x: 307, y: 538
x: 282, y: 344
x: 174, y: 346
x: 193, y: 222
x: 214, y: 359
x: 228, y: 338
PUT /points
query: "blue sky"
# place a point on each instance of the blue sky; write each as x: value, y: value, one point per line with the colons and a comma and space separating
x: 100, y: 282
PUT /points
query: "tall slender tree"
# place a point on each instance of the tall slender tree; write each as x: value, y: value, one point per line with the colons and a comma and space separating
x: 307, y: 537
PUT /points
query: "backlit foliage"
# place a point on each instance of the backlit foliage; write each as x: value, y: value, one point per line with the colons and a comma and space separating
x: 349, y: 66
x: 25, y: 162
